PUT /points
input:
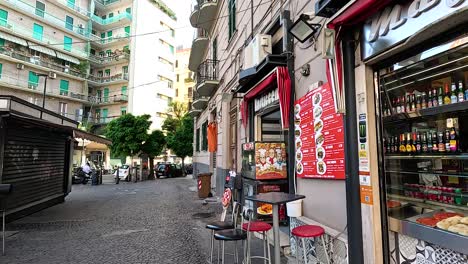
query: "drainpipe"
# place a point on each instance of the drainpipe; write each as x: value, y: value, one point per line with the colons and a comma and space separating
x: 288, y: 48
x: 353, y: 199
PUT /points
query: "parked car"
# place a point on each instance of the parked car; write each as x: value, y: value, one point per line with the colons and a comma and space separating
x: 188, y: 169
x: 168, y: 170
x: 124, y: 172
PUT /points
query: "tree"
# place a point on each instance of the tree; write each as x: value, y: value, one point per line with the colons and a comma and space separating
x: 177, y: 110
x: 153, y: 146
x: 170, y: 125
x: 127, y: 134
x: 181, y: 142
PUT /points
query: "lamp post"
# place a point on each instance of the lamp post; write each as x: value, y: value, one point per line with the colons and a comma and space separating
x: 45, y: 86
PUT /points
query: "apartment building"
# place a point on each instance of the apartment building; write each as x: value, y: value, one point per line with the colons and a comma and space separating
x: 184, y: 77
x: 82, y: 49
x: 45, y: 40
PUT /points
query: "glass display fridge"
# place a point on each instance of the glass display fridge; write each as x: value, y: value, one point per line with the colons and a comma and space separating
x: 423, y: 133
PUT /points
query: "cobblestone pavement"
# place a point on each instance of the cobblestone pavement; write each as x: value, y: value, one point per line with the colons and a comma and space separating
x: 155, y: 222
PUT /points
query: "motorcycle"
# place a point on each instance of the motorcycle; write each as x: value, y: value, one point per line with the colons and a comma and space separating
x: 80, y: 177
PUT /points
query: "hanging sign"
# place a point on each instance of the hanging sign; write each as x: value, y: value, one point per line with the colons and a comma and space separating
x: 319, y: 136
x: 398, y: 22
x: 266, y: 99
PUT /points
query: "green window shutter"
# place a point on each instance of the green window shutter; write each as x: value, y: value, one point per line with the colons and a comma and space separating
x: 2, y: 42
x: 3, y: 17
x: 102, y: 53
x: 128, y: 10
x: 232, y: 17
x: 109, y: 35
x: 111, y: 15
x: 105, y: 112
x: 1, y: 68
x: 93, y: 52
x: 103, y: 38
x: 108, y: 52
x: 123, y: 110
x: 71, y: 3
x: 171, y: 48
x: 40, y: 8
x: 67, y: 43
x: 38, y: 31
x: 205, y: 136
x: 33, y: 80
x: 106, y: 95
x: 125, y: 69
x: 64, y: 87
x: 215, y: 49
x: 197, y: 140
x: 69, y: 22
x: 123, y: 91
x: 107, y: 72
x: 127, y: 31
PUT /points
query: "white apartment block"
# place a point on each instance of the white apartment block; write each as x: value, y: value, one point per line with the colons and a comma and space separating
x: 90, y: 56
x: 184, y: 77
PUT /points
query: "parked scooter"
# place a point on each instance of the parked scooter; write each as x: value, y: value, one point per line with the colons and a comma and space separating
x: 80, y: 177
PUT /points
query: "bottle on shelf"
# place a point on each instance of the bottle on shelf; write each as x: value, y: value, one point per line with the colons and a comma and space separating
x: 424, y: 145
x: 465, y: 91
x: 429, y: 99
x: 429, y: 141
x: 409, y: 143
x: 394, y: 105
x: 454, y: 94
x: 396, y: 143
x: 436, y: 98
x: 402, y: 143
x: 423, y: 101
x: 413, y: 102
x: 446, y: 96
x: 461, y: 92
x: 453, y: 140
x: 398, y: 106
x: 408, y: 104
x: 435, y: 144
x: 447, y: 140
x: 418, y: 142
x: 441, y: 141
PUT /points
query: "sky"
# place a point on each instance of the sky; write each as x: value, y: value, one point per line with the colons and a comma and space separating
x: 183, y: 8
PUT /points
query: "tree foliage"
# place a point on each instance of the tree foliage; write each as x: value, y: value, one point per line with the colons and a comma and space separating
x: 154, y: 143
x: 127, y: 134
x: 170, y: 125
x: 181, y: 142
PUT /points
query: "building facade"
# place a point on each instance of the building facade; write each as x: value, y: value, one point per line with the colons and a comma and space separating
x: 184, y: 77
x: 83, y: 49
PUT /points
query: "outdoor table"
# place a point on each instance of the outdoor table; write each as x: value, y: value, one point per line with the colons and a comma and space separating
x: 275, y: 199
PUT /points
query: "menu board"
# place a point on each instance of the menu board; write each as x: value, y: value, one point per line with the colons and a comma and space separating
x: 319, y: 136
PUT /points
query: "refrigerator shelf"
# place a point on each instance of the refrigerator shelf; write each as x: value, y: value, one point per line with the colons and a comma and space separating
x: 430, y: 204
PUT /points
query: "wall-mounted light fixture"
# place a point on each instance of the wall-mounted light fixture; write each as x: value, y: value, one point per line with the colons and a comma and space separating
x: 302, y: 30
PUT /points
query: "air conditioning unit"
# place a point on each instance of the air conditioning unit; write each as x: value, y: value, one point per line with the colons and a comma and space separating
x: 20, y: 66
x: 66, y: 70
x: 257, y: 50
x: 52, y: 75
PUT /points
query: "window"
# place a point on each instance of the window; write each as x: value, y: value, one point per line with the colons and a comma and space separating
x: 33, y: 100
x: 123, y: 110
x: 101, y: 54
x: 38, y: 31
x: 109, y: 53
x: 167, y: 29
x: 177, y: 63
x: 103, y: 38
x: 125, y: 69
x: 106, y: 94
x: 128, y: 10
x: 79, y: 115
x: 197, y: 140
x: 111, y: 15
x: 170, y: 84
x: 63, y: 108
x: 93, y: 52
x: 177, y: 92
x: 167, y: 64
x: 100, y: 74
x: 67, y: 43
x: 177, y: 77
x: 169, y: 101
x: 105, y: 112
x: 123, y: 92
x: 1, y: 69
x: 204, y: 140
x: 2, y: 42
x: 3, y: 18
x: 33, y: 80
x: 215, y: 49
x: 99, y: 95
x: 64, y: 87
x: 168, y: 47
x: 69, y: 22
x: 71, y: 3
x: 104, y: 17
x: 107, y: 72
x: 40, y: 8
x: 127, y: 31
x: 189, y: 91
x: 109, y: 35
x: 232, y: 17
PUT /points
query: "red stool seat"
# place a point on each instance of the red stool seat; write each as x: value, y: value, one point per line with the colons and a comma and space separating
x: 257, y: 226
x: 307, y: 231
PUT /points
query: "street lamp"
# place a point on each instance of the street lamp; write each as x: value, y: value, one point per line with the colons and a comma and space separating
x: 44, y: 94
x: 302, y: 30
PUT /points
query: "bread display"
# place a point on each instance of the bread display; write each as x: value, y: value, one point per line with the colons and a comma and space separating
x: 446, y: 223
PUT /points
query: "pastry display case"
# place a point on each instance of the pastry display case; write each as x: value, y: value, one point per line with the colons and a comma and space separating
x: 424, y: 145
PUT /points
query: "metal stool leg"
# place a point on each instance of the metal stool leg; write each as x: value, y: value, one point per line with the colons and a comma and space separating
x: 297, y: 249
x: 268, y: 248
x: 212, y: 246
x: 264, y: 247
x: 222, y: 252
x: 236, y: 257
x: 3, y: 232
x: 325, y: 249
x: 219, y: 246
x: 304, y: 250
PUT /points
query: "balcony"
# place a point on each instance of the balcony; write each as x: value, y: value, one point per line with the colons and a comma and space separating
x: 100, y: 120
x: 207, y: 77
x: 14, y: 82
x: 113, y: 59
x: 103, y: 42
x: 204, y: 14
x: 116, y: 21
x: 39, y: 14
x: 199, y: 45
x: 107, y: 100
x: 107, y: 80
x: 42, y: 61
x: 78, y: 9
x: 27, y: 34
x: 199, y: 102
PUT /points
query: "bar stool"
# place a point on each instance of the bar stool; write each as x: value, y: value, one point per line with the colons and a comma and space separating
x: 5, y: 191
x: 260, y: 227
x: 222, y: 225
x: 308, y: 232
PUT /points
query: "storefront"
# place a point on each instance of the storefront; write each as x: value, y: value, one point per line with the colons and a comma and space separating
x: 410, y: 76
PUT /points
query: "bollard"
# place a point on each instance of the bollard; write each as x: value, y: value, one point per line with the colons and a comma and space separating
x: 117, y: 179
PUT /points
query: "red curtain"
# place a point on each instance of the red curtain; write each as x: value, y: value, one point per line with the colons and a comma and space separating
x: 279, y: 77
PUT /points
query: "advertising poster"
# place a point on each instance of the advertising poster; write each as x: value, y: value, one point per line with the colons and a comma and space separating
x: 270, y: 160
x: 319, y: 136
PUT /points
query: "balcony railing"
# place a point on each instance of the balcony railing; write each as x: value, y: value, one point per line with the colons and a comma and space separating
x: 51, y: 91
x: 19, y: 4
x: 107, y: 2
x: 108, y: 79
x: 98, y: 40
x: 113, y: 19
x: 46, y: 39
x: 117, y: 98
x: 208, y: 71
x: 26, y: 57
x: 82, y: 10
x: 109, y: 59
x: 100, y: 120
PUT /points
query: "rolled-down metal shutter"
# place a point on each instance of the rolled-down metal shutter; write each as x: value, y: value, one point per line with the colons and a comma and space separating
x: 34, y: 163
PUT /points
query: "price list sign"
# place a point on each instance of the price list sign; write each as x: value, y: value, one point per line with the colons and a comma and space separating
x: 319, y: 136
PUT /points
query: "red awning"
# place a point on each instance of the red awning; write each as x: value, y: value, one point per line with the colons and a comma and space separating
x: 358, y: 12
x: 279, y: 77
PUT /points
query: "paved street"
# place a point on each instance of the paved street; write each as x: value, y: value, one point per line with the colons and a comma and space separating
x: 159, y: 221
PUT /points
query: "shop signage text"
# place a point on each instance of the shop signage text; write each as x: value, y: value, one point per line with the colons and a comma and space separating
x: 395, y: 23
x: 266, y: 100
